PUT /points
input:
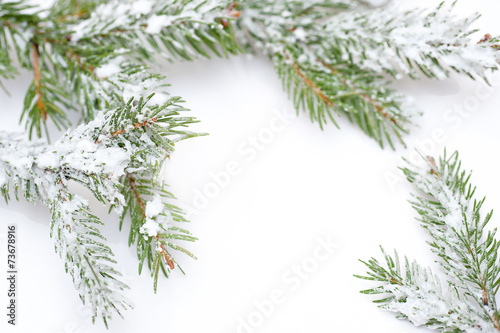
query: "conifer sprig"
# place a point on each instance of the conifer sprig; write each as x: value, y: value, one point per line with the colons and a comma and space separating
x: 467, y: 252
x: 331, y: 56
x: 130, y: 141
x: 82, y: 56
x: 318, y: 75
x: 154, y: 224
x: 92, y: 56
x: 412, y: 42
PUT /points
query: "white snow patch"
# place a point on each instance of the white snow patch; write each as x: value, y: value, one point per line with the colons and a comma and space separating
x: 150, y: 228
x: 154, y: 207
x: 86, y: 145
x: 157, y: 22
x: 111, y: 68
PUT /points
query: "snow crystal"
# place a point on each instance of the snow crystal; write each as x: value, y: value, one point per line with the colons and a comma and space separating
x: 154, y: 207
x: 48, y: 161
x: 141, y: 7
x: 157, y: 22
x: 302, y: 58
x: 159, y: 98
x: 146, y: 139
x: 300, y: 33
x: 86, y: 145
x: 113, y: 160
x: 150, y: 228
x: 111, y: 68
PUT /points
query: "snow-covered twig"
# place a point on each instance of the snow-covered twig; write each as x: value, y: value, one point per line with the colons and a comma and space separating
x: 468, y: 254
x: 411, y: 41
x: 132, y: 140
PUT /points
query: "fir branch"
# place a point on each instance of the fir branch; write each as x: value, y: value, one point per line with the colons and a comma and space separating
x: 86, y: 258
x: 468, y: 254
x: 453, y: 219
x: 77, y: 240
x: 131, y: 139
x: 88, y: 42
x: 185, y: 29
x: 331, y: 54
x: 411, y: 41
x: 153, y: 226
x: 417, y: 295
x: 316, y: 74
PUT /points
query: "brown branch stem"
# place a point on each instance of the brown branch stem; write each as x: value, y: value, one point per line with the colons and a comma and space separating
x: 133, y: 187
x: 367, y: 98
x: 168, y: 259
x: 311, y: 84
x: 137, y: 125
x: 142, y: 207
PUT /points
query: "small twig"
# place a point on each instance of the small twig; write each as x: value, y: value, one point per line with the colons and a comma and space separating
x: 434, y: 171
x: 231, y: 12
x: 311, y: 84
x: 396, y: 281
x: 486, y: 38
x: 141, y: 204
x: 137, y: 125
x: 77, y: 15
x: 169, y: 260
x: 142, y: 208
x: 78, y: 59
x: 7, y: 24
x: 367, y: 98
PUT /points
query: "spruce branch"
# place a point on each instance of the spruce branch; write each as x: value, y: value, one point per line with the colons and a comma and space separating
x: 96, y: 46
x: 132, y: 140
x: 416, y: 294
x: 316, y: 74
x: 331, y: 56
x: 467, y: 252
x: 176, y: 29
x: 407, y: 42
x: 92, y: 56
x: 73, y: 227
x: 153, y: 226
x: 87, y: 259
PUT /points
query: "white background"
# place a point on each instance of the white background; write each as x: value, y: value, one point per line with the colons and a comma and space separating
x: 304, y: 184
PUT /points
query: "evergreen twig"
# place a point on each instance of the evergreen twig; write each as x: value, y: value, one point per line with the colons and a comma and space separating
x: 467, y: 252
x: 129, y: 141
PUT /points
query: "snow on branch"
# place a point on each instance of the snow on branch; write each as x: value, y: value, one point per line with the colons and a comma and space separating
x: 320, y: 79
x: 417, y: 294
x: 86, y: 55
x: 467, y: 252
x: 411, y: 41
x: 131, y: 140
x: 332, y: 55
x: 185, y: 29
